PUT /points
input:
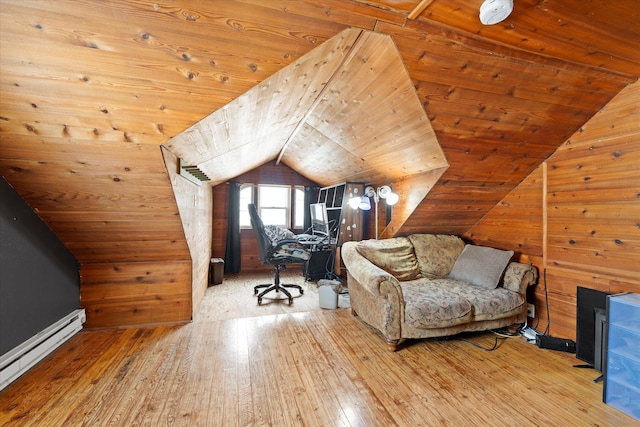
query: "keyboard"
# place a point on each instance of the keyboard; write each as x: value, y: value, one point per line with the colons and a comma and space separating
x: 309, y: 238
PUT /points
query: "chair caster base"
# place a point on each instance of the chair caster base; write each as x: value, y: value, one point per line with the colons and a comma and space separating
x: 280, y: 289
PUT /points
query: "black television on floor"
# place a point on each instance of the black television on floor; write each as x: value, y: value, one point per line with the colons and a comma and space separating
x: 591, y: 306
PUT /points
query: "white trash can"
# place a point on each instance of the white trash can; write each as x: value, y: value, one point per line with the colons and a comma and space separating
x: 329, y: 290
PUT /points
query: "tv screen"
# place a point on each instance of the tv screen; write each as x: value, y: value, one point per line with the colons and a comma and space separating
x: 589, y: 302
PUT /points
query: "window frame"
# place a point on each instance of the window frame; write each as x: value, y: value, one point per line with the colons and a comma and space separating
x: 245, y: 209
x: 290, y: 209
x: 295, y: 208
x: 260, y: 206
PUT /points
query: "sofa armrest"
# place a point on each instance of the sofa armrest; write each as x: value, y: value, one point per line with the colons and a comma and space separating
x: 376, y: 295
x: 518, y: 277
x: 366, y: 273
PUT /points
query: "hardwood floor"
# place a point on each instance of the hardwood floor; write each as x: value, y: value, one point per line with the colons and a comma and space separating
x: 316, y: 368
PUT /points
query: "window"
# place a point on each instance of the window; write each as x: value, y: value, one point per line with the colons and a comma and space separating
x: 281, y: 205
x: 246, y: 197
x: 298, y: 207
x: 274, y: 204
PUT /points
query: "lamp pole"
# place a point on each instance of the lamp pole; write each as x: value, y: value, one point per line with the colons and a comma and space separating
x: 375, y: 202
x: 363, y: 203
x: 374, y: 194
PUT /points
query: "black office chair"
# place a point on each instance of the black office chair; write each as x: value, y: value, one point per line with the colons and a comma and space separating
x: 278, y: 254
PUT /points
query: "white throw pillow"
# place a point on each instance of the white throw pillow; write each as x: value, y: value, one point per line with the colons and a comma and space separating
x: 480, y: 265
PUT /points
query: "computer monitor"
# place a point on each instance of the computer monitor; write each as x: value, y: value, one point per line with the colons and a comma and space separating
x: 319, y: 220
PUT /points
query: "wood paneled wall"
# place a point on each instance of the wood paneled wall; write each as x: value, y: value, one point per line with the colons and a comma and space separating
x: 578, y: 214
x: 490, y: 148
x: 90, y: 89
x: 149, y: 292
x: 268, y: 173
x: 136, y: 293
x: 194, y: 205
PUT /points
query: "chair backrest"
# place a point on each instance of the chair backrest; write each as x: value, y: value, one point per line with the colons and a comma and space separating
x: 264, y: 242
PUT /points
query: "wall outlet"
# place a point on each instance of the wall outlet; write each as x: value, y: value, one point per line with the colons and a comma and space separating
x: 531, y: 310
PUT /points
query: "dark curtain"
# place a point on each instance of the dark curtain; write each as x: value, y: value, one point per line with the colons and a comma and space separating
x: 232, y: 251
x: 310, y: 196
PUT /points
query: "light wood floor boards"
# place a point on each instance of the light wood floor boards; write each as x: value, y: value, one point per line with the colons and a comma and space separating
x: 235, y: 299
x: 318, y: 368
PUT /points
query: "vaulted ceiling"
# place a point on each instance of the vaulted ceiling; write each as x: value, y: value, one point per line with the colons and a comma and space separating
x: 91, y: 89
x: 347, y: 110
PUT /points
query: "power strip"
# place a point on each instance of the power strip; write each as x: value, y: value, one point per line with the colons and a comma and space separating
x: 553, y: 343
x: 530, y: 334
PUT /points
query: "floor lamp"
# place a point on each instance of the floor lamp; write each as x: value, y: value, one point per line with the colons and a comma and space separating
x: 364, y: 202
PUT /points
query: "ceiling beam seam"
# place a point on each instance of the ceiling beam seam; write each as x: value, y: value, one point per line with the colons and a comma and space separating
x: 417, y: 11
x: 318, y: 98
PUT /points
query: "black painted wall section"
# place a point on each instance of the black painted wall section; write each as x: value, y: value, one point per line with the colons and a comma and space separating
x: 39, y: 277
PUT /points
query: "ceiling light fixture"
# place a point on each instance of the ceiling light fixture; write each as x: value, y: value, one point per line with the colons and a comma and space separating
x: 494, y: 11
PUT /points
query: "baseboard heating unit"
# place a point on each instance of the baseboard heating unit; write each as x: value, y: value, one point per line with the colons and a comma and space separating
x: 19, y: 360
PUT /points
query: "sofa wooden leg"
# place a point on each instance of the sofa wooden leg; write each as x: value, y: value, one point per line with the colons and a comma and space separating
x: 392, y: 345
x: 353, y: 312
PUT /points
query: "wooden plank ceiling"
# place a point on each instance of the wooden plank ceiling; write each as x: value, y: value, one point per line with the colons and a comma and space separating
x: 345, y: 110
x: 91, y: 89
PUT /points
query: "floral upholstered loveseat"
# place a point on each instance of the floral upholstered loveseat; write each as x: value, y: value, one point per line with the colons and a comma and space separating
x: 428, y: 285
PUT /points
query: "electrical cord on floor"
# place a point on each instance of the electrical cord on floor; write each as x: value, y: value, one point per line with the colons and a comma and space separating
x: 495, y: 344
x: 329, y: 269
x: 505, y: 333
x: 546, y: 298
x: 527, y: 332
x: 501, y: 335
x: 534, y: 328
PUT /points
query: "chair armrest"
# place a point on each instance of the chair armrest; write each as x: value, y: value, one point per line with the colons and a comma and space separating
x: 518, y: 277
x: 366, y: 273
x: 292, y: 243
